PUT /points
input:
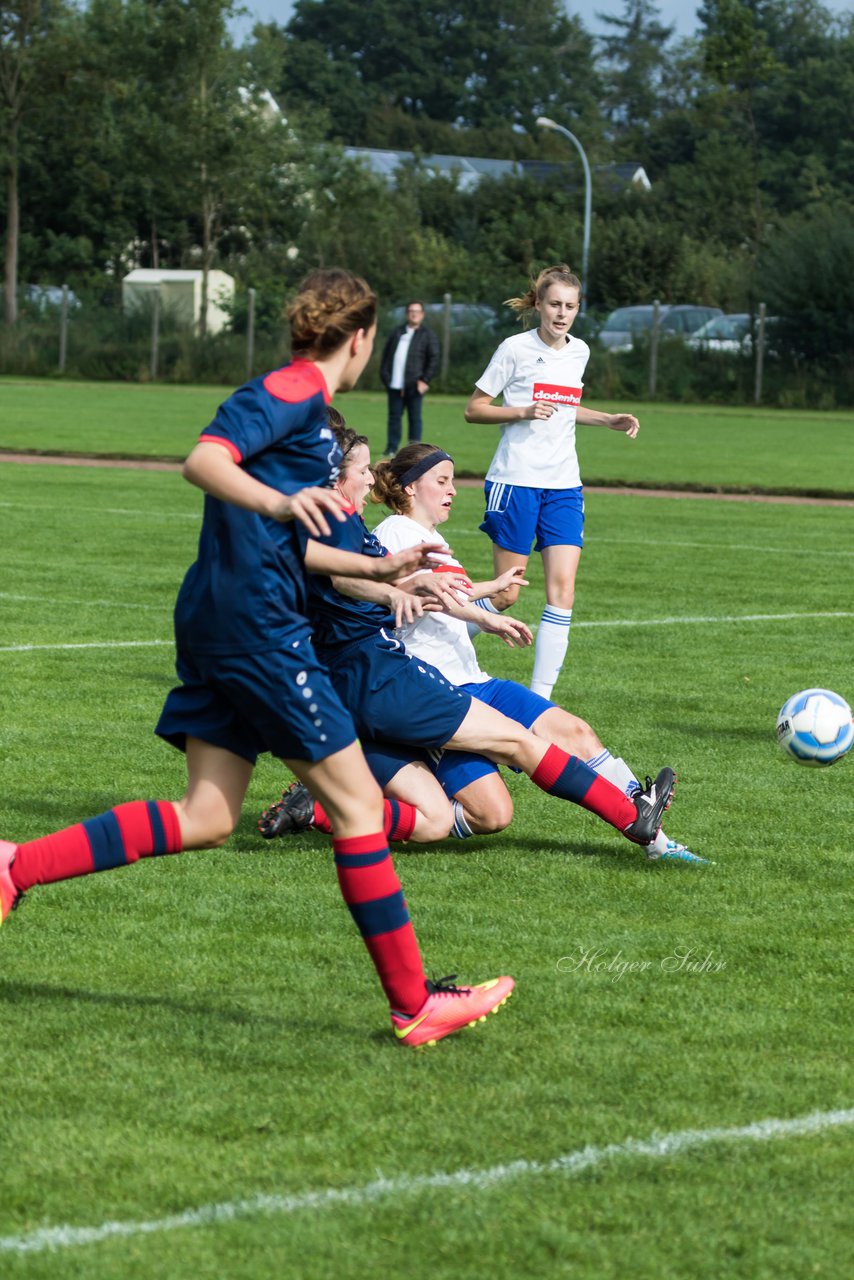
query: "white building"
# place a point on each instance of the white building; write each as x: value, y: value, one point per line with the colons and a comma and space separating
x: 180, y: 293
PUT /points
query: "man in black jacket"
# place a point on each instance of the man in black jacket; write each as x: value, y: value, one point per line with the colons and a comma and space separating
x: 409, y: 362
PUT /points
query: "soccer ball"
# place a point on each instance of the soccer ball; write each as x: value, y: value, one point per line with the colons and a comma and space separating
x: 815, y: 727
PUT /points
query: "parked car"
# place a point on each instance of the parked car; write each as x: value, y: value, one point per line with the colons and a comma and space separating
x: 45, y: 296
x: 464, y: 316
x: 623, y: 325
x: 730, y: 333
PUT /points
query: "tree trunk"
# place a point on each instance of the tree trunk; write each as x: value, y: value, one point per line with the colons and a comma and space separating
x: 10, y: 302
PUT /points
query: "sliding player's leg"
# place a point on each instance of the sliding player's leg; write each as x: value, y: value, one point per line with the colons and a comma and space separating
x: 577, y: 737
x: 562, y: 774
x: 415, y: 807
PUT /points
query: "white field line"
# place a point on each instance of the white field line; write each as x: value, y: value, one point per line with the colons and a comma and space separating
x: 728, y: 546
x: 95, y: 644
x: 710, y: 620
x: 596, y: 539
x: 107, y: 511
x: 458, y: 534
x: 105, y: 604
x: 656, y: 1147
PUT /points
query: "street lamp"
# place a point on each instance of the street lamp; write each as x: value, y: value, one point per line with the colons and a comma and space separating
x: 545, y: 123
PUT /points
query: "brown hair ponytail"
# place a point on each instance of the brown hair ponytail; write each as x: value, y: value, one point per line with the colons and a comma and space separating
x: 559, y: 274
x: 330, y: 306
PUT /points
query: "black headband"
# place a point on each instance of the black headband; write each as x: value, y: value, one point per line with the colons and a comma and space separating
x: 427, y: 463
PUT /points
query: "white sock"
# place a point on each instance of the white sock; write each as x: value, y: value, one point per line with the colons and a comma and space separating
x: 615, y: 769
x: 461, y: 828
x: 659, y: 844
x: 472, y: 627
x: 552, y: 640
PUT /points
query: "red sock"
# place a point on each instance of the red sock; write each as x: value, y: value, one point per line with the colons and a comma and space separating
x: 372, y: 891
x: 571, y: 779
x: 320, y: 822
x: 139, y: 829
x: 398, y: 819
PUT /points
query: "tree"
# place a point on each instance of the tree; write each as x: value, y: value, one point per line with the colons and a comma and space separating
x: 635, y: 56
x: 808, y: 280
x: 467, y: 63
x: 740, y: 64
x: 33, y: 46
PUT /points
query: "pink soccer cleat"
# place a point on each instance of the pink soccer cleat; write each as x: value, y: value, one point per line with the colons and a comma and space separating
x: 449, y: 1008
x: 9, y: 895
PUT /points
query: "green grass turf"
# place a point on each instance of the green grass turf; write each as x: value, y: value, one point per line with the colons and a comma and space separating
x: 207, y: 1029
x: 695, y: 446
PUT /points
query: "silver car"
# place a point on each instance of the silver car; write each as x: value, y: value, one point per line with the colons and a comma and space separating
x: 619, y: 331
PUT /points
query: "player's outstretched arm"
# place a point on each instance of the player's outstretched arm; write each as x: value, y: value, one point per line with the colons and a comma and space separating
x: 511, y: 578
x: 405, y: 606
x: 212, y: 468
x: 515, y: 634
x: 625, y: 422
x: 320, y: 558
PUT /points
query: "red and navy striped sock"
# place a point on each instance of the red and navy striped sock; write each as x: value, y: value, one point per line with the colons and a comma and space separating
x: 372, y: 891
x: 398, y: 819
x: 139, y: 829
x: 571, y: 779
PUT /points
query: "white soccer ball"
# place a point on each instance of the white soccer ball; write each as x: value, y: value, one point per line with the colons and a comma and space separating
x: 815, y: 727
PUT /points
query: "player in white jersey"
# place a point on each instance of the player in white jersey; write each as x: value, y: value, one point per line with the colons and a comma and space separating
x: 419, y: 508
x: 533, y: 485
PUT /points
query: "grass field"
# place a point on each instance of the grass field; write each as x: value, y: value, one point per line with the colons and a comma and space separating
x: 679, y: 446
x: 199, y: 1080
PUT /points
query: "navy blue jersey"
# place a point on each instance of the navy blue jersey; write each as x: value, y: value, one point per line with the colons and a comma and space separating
x: 247, y: 590
x: 338, y: 620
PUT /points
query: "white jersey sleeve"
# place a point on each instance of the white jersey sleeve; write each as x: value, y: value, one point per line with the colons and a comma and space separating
x: 436, y: 638
x: 500, y: 371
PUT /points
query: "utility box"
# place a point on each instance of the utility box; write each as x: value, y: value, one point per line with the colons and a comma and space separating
x: 180, y: 293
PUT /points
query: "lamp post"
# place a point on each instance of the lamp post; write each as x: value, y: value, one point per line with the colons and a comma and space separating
x: 545, y: 123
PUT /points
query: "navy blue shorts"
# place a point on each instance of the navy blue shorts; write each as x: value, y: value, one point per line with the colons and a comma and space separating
x: 393, y: 697
x: 386, y: 759
x: 280, y: 701
x: 453, y: 770
x: 457, y: 769
x: 516, y: 515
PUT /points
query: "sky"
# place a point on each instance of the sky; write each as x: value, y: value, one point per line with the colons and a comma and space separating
x: 681, y: 14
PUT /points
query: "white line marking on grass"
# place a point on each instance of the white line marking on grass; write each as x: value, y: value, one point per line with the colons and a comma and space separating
x: 710, y: 620
x: 111, y: 644
x: 725, y: 546
x: 596, y: 539
x: 108, y: 511
x: 654, y: 1148
x: 107, y: 604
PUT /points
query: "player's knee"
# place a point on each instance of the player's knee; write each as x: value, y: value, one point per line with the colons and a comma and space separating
x: 505, y: 599
x: 433, y: 825
x: 206, y: 831
x: 487, y: 820
x: 561, y: 594
x: 574, y: 735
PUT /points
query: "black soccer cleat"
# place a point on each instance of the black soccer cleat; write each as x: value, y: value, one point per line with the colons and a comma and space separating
x: 651, y: 804
x: 293, y: 813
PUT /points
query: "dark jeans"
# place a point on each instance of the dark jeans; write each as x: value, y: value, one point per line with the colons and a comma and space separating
x: 397, y: 402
